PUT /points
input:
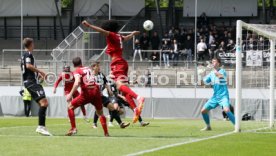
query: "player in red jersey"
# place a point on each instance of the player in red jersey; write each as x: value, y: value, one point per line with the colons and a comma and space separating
x: 67, y: 77
x: 119, y: 66
x: 90, y: 93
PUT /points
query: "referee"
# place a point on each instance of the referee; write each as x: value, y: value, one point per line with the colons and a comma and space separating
x: 30, y: 77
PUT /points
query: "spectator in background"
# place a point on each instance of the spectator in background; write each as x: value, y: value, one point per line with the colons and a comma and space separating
x: 144, y: 41
x: 166, y: 49
x: 251, y: 44
x: 211, y: 38
x: 230, y: 47
x: 261, y: 44
x: 137, y: 49
x: 222, y: 47
x: 155, y: 41
x: 171, y: 33
x: 189, y: 47
x: 175, y: 52
x: 224, y: 37
x: 229, y: 36
x: 177, y: 35
x: 166, y: 38
x: 212, y: 47
x: 201, y: 50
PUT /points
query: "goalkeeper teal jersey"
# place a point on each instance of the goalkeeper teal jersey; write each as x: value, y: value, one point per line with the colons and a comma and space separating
x: 219, y: 84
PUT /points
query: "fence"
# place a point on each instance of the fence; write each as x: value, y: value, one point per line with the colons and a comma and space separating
x: 182, y: 73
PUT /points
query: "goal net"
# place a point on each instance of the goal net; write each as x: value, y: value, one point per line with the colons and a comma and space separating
x: 255, y: 67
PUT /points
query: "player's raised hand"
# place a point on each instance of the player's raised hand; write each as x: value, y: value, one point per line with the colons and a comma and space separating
x: 85, y: 23
x: 136, y: 32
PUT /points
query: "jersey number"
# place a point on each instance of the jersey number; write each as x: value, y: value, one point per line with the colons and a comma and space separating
x: 121, y: 41
x: 89, y: 78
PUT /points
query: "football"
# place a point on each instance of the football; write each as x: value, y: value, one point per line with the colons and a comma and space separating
x: 148, y: 25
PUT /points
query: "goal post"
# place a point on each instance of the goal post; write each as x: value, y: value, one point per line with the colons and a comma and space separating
x: 238, y: 76
x: 244, y: 45
x: 272, y: 82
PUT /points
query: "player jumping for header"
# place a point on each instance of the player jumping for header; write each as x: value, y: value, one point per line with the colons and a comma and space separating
x: 119, y: 66
x: 218, y: 79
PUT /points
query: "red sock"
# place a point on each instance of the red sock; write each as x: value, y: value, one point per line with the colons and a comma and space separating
x: 130, y: 101
x: 103, y: 122
x: 71, y: 115
x: 83, y: 110
x: 126, y: 90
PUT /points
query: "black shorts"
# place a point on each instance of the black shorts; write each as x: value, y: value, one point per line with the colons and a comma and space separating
x: 36, y: 90
x: 105, y: 101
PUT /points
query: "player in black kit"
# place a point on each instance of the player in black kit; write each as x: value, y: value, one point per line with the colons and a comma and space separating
x: 102, y: 82
x: 31, y: 76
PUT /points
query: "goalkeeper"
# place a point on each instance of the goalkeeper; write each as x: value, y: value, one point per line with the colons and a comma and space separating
x: 218, y: 79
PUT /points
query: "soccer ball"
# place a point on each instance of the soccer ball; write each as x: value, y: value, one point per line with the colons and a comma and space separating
x: 148, y: 25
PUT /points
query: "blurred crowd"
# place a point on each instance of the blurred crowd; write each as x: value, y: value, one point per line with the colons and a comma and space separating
x: 178, y: 43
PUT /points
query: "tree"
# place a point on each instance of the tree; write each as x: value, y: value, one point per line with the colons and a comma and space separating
x: 66, y: 3
x: 163, y: 3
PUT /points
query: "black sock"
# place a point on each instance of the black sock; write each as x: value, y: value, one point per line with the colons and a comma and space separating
x: 140, y: 119
x: 116, y: 116
x: 96, y: 117
x: 29, y: 108
x: 42, y: 116
x: 111, y: 116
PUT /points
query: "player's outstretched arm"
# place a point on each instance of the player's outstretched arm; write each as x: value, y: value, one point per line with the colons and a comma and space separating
x: 130, y: 36
x: 98, y: 29
x: 57, y: 83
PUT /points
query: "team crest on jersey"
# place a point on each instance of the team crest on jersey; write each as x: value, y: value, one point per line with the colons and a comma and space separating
x: 41, y: 92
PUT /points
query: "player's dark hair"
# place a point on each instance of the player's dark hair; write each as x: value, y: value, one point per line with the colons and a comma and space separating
x: 66, y: 68
x: 111, y: 25
x: 77, y: 61
x: 217, y: 59
x: 27, y: 42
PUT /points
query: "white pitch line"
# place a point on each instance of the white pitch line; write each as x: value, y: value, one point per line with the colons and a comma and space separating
x: 178, y: 144
x: 89, y: 137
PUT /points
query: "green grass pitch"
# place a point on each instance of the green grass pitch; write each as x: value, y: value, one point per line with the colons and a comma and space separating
x: 18, y: 137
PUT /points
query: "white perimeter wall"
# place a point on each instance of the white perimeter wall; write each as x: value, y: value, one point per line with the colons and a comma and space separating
x: 158, y: 92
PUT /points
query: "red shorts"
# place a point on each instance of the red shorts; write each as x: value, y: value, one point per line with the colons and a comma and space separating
x: 89, y: 96
x: 119, y: 69
x: 76, y: 93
